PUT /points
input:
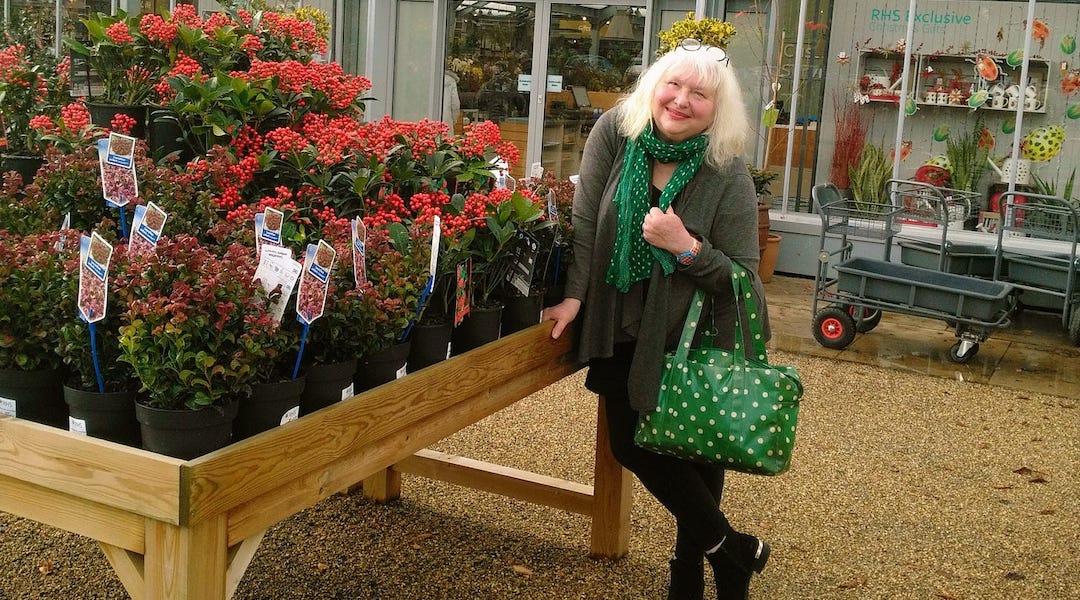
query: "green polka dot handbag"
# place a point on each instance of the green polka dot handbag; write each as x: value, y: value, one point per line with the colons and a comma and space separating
x: 718, y: 406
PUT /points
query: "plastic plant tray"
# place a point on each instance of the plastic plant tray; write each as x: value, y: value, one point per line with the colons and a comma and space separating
x: 925, y: 290
x: 961, y: 259
x: 1050, y: 272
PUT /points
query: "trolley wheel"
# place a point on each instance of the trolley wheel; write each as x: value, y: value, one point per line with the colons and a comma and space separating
x: 834, y: 328
x: 956, y: 357
x: 1074, y: 324
x: 870, y: 318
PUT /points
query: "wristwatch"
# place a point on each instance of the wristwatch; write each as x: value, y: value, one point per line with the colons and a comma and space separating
x: 687, y: 258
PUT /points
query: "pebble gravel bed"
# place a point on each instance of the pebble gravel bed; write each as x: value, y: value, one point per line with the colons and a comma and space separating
x: 902, y: 486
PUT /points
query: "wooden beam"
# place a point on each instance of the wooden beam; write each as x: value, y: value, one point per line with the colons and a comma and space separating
x: 614, y: 496
x: 297, y: 493
x: 128, y: 566
x: 239, y: 558
x: 498, y: 479
x: 490, y: 377
x: 186, y: 563
x: 84, y: 517
x: 137, y: 481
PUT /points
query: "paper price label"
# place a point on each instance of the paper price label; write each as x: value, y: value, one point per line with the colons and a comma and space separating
x: 347, y: 392
x: 290, y: 415
x: 277, y: 274
x: 77, y: 426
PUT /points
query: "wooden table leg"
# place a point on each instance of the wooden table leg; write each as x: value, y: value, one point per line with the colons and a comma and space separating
x: 382, y: 486
x: 186, y: 563
x: 613, y: 496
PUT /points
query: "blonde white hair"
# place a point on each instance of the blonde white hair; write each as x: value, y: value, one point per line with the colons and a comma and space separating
x: 730, y: 128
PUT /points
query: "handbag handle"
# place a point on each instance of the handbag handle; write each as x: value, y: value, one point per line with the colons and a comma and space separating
x: 744, y: 295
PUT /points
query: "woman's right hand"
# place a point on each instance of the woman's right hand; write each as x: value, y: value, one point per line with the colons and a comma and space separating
x: 563, y: 314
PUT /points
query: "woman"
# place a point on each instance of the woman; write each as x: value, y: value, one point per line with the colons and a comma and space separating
x: 663, y: 207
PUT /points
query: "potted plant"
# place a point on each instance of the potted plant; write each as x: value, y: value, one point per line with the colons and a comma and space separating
x: 556, y: 242
x: 709, y: 31
x: 510, y: 215
x: 868, y: 178
x: 275, y: 394
x: 99, y: 389
x: 29, y: 87
x: 195, y: 328
x: 967, y: 152
x: 851, y: 129
x: 396, y: 270
x: 125, y: 61
x: 32, y: 271
x: 762, y: 180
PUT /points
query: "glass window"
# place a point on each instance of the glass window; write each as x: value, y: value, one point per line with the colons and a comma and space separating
x: 352, y: 55
x: 489, y: 64
x: 412, y: 61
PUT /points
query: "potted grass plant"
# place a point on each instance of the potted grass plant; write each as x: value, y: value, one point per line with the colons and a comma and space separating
x: 868, y: 178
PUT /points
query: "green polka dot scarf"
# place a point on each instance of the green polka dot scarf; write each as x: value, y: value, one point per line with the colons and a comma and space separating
x: 633, y: 257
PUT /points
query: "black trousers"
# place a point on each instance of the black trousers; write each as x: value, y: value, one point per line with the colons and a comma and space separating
x: 690, y: 491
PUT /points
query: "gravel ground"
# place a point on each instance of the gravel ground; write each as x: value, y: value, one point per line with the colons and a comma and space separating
x: 902, y: 486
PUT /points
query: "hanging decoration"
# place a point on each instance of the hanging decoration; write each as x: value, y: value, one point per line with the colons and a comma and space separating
x: 1043, y: 143
x: 1068, y: 44
x: 986, y: 67
x: 1040, y: 32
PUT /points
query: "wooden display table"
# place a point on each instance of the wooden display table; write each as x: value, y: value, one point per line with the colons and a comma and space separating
x: 188, y: 529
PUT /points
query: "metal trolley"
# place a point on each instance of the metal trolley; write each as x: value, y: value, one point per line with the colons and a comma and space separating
x: 856, y: 290
x: 1052, y: 276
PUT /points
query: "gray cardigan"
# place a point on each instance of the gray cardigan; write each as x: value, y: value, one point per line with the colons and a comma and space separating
x: 718, y: 206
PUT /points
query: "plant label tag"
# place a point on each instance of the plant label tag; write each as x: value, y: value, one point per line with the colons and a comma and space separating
x: 268, y: 225
x: 553, y: 214
x: 436, y: 236
x: 94, y: 256
x: 311, y: 297
x: 523, y: 262
x: 76, y: 426
x: 347, y: 392
x: 359, y: 251
x: 403, y: 371
x: 462, y: 302
x: 119, y: 185
x: 7, y: 407
x: 290, y: 415
x: 277, y: 273
x: 146, y: 228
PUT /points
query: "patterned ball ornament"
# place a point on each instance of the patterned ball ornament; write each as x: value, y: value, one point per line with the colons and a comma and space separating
x: 1043, y: 143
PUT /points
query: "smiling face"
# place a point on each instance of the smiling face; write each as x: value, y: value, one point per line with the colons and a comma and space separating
x: 682, y: 107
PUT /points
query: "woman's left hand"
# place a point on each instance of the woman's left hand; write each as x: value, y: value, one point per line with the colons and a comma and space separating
x: 666, y: 230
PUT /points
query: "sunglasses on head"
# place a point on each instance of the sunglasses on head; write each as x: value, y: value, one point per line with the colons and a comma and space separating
x: 691, y: 45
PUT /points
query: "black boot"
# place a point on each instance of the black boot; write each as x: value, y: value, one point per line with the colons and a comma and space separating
x: 687, y: 579
x: 740, y: 555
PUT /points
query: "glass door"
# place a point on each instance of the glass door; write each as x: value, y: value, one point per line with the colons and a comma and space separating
x: 489, y: 66
x: 594, y: 55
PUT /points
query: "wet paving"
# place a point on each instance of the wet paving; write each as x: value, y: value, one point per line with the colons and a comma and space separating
x: 1032, y: 353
